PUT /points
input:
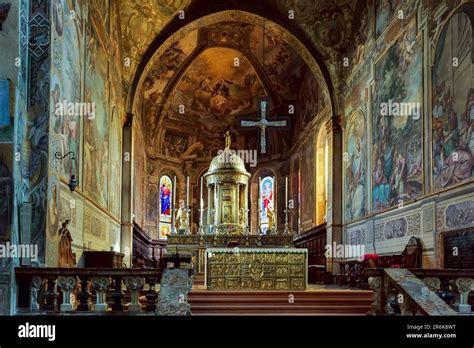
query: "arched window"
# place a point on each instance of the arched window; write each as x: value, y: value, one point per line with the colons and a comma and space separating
x: 166, y: 206
x: 453, y: 103
x: 322, y: 167
x: 267, y: 207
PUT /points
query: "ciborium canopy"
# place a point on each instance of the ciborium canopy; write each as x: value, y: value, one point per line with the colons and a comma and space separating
x: 227, y: 183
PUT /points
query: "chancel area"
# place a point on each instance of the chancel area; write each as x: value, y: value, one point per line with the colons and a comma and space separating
x: 236, y: 153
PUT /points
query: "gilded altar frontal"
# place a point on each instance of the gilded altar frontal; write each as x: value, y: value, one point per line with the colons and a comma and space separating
x: 236, y: 158
x: 256, y: 269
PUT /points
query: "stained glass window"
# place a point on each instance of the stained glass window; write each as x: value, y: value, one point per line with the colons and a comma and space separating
x: 166, y: 206
x: 267, y: 207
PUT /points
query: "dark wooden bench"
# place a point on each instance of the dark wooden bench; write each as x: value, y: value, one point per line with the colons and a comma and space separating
x: 352, y: 271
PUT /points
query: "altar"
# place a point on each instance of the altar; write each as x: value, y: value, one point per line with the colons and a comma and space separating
x: 225, y: 250
x: 256, y: 269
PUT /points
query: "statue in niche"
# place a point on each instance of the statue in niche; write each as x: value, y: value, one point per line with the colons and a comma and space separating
x: 67, y: 259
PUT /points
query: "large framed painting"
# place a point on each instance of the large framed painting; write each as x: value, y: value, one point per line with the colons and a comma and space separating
x: 66, y: 85
x: 96, y: 126
x: 355, y: 164
x: 384, y: 13
x: 453, y: 104
x: 397, y: 124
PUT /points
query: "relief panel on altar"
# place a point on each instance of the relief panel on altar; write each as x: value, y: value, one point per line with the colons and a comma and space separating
x: 273, y: 270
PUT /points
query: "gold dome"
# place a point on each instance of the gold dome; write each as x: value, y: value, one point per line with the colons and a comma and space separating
x: 227, y: 160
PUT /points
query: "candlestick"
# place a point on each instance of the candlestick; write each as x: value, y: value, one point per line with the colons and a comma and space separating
x: 187, y: 191
x: 286, y: 230
x: 173, y: 209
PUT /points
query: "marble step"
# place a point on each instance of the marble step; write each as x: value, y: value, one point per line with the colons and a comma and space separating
x: 349, y: 302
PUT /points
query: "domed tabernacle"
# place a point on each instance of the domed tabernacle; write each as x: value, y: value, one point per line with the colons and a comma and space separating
x: 227, y: 184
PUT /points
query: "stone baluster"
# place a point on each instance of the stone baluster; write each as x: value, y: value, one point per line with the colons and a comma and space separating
x: 380, y: 302
x: 83, y: 294
x: 66, y: 284
x: 433, y: 283
x: 407, y: 307
x: 392, y: 304
x: 50, y: 295
x: 117, y: 295
x: 101, y: 284
x: 134, y: 285
x: 462, y: 286
x: 151, y: 295
x: 36, y: 286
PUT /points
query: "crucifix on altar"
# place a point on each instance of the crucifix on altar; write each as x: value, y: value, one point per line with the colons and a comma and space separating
x: 263, y: 123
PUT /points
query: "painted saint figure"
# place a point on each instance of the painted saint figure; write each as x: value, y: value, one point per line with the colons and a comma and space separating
x: 165, y: 199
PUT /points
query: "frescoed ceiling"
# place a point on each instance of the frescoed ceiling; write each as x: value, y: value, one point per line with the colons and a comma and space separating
x: 215, y: 91
x: 327, y: 23
x: 213, y: 76
x: 141, y: 21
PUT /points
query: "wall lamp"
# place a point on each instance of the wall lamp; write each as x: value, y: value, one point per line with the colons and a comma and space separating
x: 72, y: 181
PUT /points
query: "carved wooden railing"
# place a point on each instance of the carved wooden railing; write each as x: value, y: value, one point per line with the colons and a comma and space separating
x: 399, y: 291
x: 49, y: 290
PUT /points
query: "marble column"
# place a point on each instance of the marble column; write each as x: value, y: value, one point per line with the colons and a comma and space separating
x: 216, y: 204
x: 126, y: 231
x: 238, y: 203
x: 246, y: 205
x: 209, y: 207
x: 334, y: 201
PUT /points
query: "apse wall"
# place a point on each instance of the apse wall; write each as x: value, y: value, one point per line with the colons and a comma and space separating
x: 86, y: 67
x: 402, y: 177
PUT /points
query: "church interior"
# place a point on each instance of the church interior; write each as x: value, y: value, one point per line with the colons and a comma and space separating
x: 239, y: 153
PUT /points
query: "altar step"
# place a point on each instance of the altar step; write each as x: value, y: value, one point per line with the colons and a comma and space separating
x: 198, y: 279
x: 311, y: 302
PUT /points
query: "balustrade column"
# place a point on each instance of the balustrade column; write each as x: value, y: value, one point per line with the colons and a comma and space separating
x: 101, y: 284
x: 433, y: 283
x: 66, y: 284
x: 379, y: 305
x: 134, y: 285
x: 36, y: 286
x: 463, y: 286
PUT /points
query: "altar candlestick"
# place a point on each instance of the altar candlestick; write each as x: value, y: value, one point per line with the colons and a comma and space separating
x: 187, y: 191
x: 286, y: 230
x: 174, y: 191
x: 173, y: 208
